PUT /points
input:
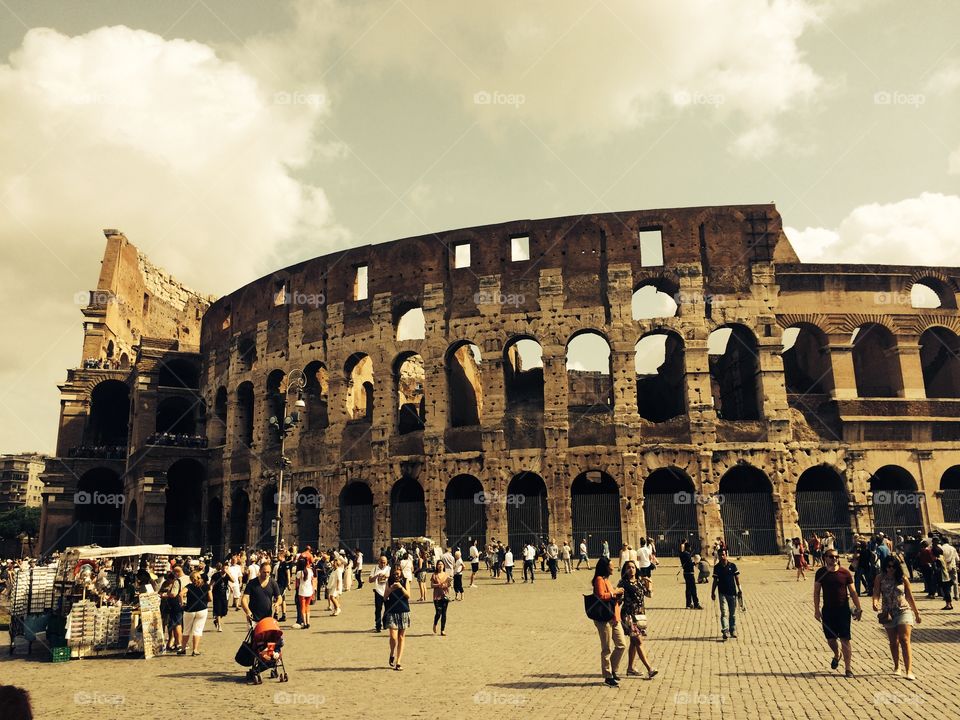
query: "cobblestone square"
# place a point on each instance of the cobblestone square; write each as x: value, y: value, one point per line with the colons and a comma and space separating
x: 529, y: 650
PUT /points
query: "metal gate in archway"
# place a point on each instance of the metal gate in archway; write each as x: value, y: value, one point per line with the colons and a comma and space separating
x: 356, y: 518
x: 950, y: 501
x: 749, y: 523
x: 671, y: 519
x: 897, y: 512
x: 528, y: 517
x: 465, y: 513
x: 823, y: 510
x: 595, y: 513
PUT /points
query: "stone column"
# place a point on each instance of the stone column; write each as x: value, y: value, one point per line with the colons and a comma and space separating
x: 555, y: 391
x: 844, y: 376
x: 775, y: 409
x: 703, y: 415
x: 911, y: 368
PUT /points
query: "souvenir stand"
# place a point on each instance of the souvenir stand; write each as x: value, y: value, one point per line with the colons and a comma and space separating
x: 98, y: 605
x: 31, y: 604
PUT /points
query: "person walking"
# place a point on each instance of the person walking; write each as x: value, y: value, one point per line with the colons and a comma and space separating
x: 553, y: 558
x: 950, y: 558
x: 835, y: 584
x: 306, y: 589
x: 196, y: 607
x: 474, y: 553
x: 378, y: 578
x: 799, y: 559
x: 633, y: 617
x: 644, y: 559
x: 457, y: 576
x: 284, y: 571
x: 173, y: 593
x: 440, y: 582
x: 420, y: 573
x: 605, y: 550
x: 501, y: 559
x: 219, y: 586
x: 236, y: 573
x: 529, y: 558
x: 335, y: 584
x: 261, y: 596
x: 942, y: 574
x: 612, y: 642
x: 726, y: 581
x: 689, y: 568
x: 508, y: 565
x: 566, y: 554
x: 358, y: 567
x: 396, y: 614
x: 897, y: 611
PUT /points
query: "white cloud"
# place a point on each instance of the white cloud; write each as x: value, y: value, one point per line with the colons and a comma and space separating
x: 579, y: 69
x: 188, y: 154
x: 945, y: 80
x: 915, y: 231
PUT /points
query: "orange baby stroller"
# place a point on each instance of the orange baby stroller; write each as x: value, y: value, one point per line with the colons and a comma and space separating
x: 263, y: 650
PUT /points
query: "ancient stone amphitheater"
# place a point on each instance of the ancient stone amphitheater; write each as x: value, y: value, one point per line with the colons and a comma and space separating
x: 674, y: 374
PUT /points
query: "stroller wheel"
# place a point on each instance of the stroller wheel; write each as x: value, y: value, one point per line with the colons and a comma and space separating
x: 259, y: 679
x: 285, y: 678
x: 274, y: 673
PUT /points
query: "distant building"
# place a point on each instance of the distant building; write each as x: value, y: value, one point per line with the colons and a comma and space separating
x: 20, y: 482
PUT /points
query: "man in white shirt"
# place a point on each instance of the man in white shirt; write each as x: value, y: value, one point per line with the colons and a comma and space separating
x: 529, y: 555
x: 358, y: 569
x: 253, y: 569
x: 644, y: 559
x: 508, y: 565
x: 378, y: 578
x: 583, y: 554
x: 950, y: 557
x: 448, y: 560
x: 474, y: 562
x: 566, y: 554
x: 553, y: 555
x: 235, y: 572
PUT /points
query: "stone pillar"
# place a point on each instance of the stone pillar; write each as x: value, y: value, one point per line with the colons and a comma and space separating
x: 555, y: 391
x: 858, y: 490
x: 709, y: 518
x: 911, y: 368
x: 703, y: 415
x: 844, y: 376
x: 631, y: 493
x: 152, y: 509
x: 434, y: 356
x: 775, y: 409
x: 626, y: 415
x: 927, y: 483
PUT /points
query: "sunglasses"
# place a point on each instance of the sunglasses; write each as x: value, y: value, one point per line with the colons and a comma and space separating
x: 831, y: 557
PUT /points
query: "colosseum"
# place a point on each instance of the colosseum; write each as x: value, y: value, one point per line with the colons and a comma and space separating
x: 675, y: 374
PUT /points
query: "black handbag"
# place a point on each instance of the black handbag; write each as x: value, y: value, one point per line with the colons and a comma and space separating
x: 597, y: 609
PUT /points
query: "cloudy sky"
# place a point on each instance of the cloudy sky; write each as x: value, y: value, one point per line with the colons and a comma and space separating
x: 230, y: 137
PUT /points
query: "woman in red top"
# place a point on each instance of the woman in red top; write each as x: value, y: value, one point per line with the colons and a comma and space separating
x: 612, y: 642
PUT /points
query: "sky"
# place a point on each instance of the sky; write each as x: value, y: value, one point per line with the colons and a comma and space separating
x: 229, y: 138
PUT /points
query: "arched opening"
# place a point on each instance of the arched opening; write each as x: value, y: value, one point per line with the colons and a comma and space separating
x: 523, y: 393
x: 411, y: 325
x: 109, y: 414
x: 356, y: 518
x: 409, y: 377
x: 110, y: 349
x: 528, y: 518
x: 657, y: 299
x: 307, y: 504
x: 276, y: 399
x: 124, y: 361
x: 806, y: 360
x: 464, y: 386
x: 217, y: 427
x: 670, y: 504
x: 595, y: 511
x: 896, y: 502
x: 930, y: 293
x: 735, y: 373
x: 246, y: 354
x: 876, y: 365
x: 408, y: 512
x: 589, y: 383
x: 177, y: 416
x: 215, y: 529
x: 315, y: 395
x: 661, y: 390
x: 950, y: 494
x: 749, y: 516
x: 97, y: 509
x: 940, y: 360
x: 179, y: 373
x: 466, y: 513
x: 239, y: 520
x: 245, y: 415
x: 359, y: 374
x: 182, y: 513
x: 268, y: 514
x: 823, y: 504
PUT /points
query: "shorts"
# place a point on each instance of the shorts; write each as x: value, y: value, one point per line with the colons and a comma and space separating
x: 474, y: 566
x: 394, y: 621
x: 900, y: 617
x: 646, y: 571
x: 422, y: 576
x: 836, y: 623
x: 174, y: 618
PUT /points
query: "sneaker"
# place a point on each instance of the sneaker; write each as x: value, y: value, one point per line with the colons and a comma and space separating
x: 297, y: 626
x: 611, y: 682
x: 898, y: 671
x: 733, y: 634
x: 652, y: 674
x: 910, y: 676
x: 724, y: 637
x: 633, y: 672
x: 615, y: 677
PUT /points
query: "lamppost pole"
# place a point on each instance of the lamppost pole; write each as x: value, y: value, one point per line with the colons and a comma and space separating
x: 285, y: 425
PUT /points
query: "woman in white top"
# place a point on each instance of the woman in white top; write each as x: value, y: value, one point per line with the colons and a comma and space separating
x: 406, y: 565
x: 336, y: 583
x: 305, y: 594
x: 508, y: 565
x: 644, y: 558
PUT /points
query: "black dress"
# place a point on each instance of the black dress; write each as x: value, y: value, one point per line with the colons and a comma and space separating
x: 219, y: 586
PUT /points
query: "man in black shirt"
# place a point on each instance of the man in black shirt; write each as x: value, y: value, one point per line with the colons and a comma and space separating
x: 726, y: 580
x: 261, y: 598
x: 687, y: 564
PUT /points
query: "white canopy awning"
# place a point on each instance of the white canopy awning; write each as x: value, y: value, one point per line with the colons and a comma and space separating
x: 95, y: 551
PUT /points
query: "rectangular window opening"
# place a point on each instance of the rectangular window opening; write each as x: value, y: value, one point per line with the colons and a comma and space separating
x: 281, y: 292
x: 461, y: 255
x: 651, y: 247
x: 520, y: 248
x: 360, y: 283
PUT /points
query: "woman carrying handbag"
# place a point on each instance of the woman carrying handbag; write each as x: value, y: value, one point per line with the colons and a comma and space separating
x: 603, y: 608
x: 633, y: 615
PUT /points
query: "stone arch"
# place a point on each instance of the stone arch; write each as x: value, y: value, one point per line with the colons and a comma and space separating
x: 215, y: 528
x: 735, y: 373
x: 179, y: 373
x: 661, y: 375
x: 409, y: 322
x: 670, y: 503
x: 177, y: 415
x: 940, y: 286
x: 356, y: 517
x: 655, y: 298
x: 307, y: 502
x: 595, y: 511
x: 246, y: 354
x: 409, y: 377
x: 239, y: 519
x: 408, y: 511
x: 940, y: 361
x: 316, y: 395
x: 748, y: 511
x: 807, y: 366
x: 97, y: 509
x: 268, y: 514
x: 109, y: 414
x: 358, y: 371
x: 217, y: 427
x: 876, y: 364
x: 465, y: 512
x: 950, y: 494
x: 182, y: 519
x: 896, y: 502
x: 464, y: 384
x: 528, y: 515
x: 245, y: 410
x: 523, y: 385
x: 276, y: 389
x: 823, y: 504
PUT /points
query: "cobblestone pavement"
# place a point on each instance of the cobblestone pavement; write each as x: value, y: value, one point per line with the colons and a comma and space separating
x: 528, y: 649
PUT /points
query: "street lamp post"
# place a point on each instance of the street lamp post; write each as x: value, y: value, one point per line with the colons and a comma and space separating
x: 285, y: 425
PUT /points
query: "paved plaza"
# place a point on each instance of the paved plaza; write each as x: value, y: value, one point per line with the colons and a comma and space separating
x: 529, y: 650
